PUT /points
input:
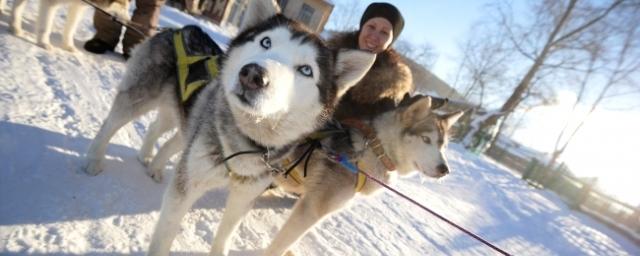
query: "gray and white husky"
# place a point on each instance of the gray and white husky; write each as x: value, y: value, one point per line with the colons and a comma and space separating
x: 277, y: 83
x: 46, y: 12
x: 412, y: 138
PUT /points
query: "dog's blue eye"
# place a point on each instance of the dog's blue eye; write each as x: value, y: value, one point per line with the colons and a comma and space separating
x: 265, y: 42
x: 426, y: 139
x: 305, y: 70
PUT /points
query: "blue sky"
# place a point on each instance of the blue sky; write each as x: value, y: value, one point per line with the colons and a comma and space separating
x: 603, y: 148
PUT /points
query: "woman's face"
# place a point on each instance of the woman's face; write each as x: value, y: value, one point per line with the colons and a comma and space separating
x: 376, y: 35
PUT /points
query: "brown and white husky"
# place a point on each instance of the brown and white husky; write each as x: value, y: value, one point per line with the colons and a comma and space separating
x: 413, y: 139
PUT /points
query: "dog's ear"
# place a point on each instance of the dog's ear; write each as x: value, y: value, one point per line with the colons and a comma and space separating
x: 259, y: 11
x: 452, y: 118
x: 351, y: 66
x: 437, y: 103
x: 416, y: 112
x: 407, y: 100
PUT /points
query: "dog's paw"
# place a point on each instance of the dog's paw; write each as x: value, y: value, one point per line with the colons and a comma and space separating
x: 92, y: 167
x: 70, y: 48
x: 218, y: 254
x: 17, y: 31
x: 46, y: 45
x: 155, y: 174
x: 144, y: 160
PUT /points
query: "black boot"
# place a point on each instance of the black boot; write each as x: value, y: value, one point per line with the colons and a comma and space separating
x: 98, y: 46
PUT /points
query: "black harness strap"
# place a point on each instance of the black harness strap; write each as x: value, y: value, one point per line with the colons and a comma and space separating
x: 224, y: 160
x: 313, y: 145
x: 332, y: 130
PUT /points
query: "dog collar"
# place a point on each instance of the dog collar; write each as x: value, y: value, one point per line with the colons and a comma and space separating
x: 372, y: 140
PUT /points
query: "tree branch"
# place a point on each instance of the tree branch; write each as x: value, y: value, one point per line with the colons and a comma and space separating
x: 589, y: 23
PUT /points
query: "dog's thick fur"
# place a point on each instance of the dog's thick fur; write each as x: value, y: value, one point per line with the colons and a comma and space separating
x: 47, y: 11
x: 412, y: 136
x: 277, y: 83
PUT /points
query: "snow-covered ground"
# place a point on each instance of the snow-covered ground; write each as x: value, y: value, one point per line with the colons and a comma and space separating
x: 52, y: 103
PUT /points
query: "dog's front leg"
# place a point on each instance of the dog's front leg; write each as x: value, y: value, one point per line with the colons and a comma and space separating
x: 192, y: 179
x: 175, y: 205
x: 16, y: 17
x: 45, y: 23
x: 2, y: 5
x: 74, y: 16
x: 309, y: 209
x: 242, y: 195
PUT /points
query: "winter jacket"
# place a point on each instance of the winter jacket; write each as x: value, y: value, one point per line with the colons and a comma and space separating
x: 381, y: 89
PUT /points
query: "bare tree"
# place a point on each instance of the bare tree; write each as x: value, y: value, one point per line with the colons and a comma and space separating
x: 485, y: 72
x: 423, y: 54
x: 625, y: 62
x: 482, y: 70
x: 550, y: 37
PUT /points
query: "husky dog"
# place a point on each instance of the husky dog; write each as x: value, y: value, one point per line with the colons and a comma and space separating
x: 46, y: 13
x: 277, y: 82
x: 412, y: 137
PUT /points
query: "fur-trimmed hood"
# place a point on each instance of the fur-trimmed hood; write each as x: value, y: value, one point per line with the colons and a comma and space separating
x: 388, y: 80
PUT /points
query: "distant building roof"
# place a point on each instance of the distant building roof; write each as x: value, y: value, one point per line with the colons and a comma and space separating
x: 427, y: 83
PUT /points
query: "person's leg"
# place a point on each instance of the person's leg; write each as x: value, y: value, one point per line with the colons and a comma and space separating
x: 145, y: 19
x: 107, y: 34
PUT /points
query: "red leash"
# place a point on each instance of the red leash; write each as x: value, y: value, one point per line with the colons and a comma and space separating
x: 352, y: 168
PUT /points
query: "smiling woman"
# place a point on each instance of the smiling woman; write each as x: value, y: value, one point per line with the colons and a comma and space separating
x: 389, y: 79
x: 376, y: 35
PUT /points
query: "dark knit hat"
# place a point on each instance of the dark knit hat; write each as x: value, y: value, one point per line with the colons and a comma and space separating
x: 387, y: 11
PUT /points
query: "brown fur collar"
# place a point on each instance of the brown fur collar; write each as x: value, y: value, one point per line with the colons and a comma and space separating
x: 382, y: 87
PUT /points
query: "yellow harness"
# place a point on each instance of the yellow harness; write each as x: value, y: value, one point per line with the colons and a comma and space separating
x: 184, y: 62
x: 360, y: 181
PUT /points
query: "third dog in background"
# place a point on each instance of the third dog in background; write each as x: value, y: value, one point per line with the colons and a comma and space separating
x: 46, y: 12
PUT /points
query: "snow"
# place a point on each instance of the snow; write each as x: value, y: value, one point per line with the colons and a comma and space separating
x: 52, y: 103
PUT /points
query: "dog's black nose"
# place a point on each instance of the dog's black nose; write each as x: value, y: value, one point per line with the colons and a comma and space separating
x: 442, y: 168
x: 253, y: 77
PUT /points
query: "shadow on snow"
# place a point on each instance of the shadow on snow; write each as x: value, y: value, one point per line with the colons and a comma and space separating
x: 41, y: 181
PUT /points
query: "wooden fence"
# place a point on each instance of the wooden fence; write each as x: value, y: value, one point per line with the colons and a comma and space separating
x: 578, y: 193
